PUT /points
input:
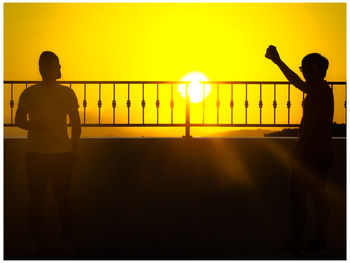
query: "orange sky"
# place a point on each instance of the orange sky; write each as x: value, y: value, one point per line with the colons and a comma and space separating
x: 166, y: 41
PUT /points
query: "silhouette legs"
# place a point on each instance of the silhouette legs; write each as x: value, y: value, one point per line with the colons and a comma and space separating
x: 318, y: 196
x: 41, y: 167
x: 37, y: 182
x: 304, y: 182
x: 61, y: 185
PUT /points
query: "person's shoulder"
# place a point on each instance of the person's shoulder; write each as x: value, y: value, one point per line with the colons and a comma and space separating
x: 65, y: 89
x: 66, y: 92
x: 34, y: 87
x: 31, y: 89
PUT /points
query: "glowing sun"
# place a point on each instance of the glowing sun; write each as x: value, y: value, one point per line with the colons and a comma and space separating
x: 195, y: 88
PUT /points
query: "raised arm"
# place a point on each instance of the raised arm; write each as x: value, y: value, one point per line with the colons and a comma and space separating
x: 272, y: 54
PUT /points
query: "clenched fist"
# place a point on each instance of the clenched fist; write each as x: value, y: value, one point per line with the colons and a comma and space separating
x: 271, y: 53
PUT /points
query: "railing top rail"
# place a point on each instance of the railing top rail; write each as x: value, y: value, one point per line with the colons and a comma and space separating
x: 160, y: 82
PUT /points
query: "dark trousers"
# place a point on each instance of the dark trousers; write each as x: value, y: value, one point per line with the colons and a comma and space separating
x: 42, y: 167
x: 309, y: 180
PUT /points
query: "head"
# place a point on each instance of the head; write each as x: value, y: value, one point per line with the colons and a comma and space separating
x: 314, y: 67
x: 49, y: 66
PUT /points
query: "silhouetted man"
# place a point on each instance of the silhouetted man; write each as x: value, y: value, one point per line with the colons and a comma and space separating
x: 312, y: 156
x: 51, y: 153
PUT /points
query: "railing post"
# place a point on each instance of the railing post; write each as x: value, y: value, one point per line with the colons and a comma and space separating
x: 217, y: 104
x: 99, y: 104
x: 12, y: 104
x: 274, y: 104
x: 114, y: 104
x: 84, y: 103
x: 188, y: 120
x: 203, y: 101
x: 143, y: 103
x: 231, y: 103
x: 246, y: 103
x: 288, y: 104
x: 157, y: 103
x: 260, y: 103
x: 128, y: 103
x: 172, y: 104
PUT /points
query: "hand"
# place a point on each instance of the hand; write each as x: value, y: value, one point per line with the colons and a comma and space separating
x: 271, y: 53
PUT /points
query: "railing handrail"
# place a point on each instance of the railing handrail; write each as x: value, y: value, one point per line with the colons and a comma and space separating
x: 159, y: 82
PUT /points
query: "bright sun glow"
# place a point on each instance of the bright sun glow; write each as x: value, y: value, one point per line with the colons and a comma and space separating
x: 195, y: 88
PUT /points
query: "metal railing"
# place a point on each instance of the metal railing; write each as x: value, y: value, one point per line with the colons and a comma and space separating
x: 187, y: 123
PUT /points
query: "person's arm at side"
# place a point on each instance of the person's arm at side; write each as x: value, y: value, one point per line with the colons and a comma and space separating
x: 74, y: 118
x: 22, y: 111
x: 22, y: 122
x: 21, y: 119
x: 76, y: 131
x: 271, y: 53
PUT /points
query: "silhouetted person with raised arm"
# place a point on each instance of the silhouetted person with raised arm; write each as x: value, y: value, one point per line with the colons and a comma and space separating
x: 311, y: 159
x: 42, y: 110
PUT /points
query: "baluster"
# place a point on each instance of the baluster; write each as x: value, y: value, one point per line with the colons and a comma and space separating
x: 84, y: 103
x: 26, y: 88
x: 274, y: 104
x: 188, y: 120
x: 172, y: 103
x: 99, y: 104
x: 12, y: 104
x: 231, y: 103
x: 114, y: 104
x: 70, y: 121
x: 288, y: 104
x: 246, y: 103
x: 345, y: 102
x: 128, y: 103
x: 203, y: 101
x: 260, y: 102
x: 143, y: 103
x: 217, y: 104
x: 157, y: 104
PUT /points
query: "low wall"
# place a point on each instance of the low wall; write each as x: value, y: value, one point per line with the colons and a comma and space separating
x: 175, y: 193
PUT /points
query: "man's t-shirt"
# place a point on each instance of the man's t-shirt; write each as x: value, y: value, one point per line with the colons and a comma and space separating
x: 49, y: 105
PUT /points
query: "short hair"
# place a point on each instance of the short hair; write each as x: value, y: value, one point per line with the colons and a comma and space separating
x: 315, y: 60
x: 47, y: 55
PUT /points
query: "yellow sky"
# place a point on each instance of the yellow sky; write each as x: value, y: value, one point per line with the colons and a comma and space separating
x: 166, y: 41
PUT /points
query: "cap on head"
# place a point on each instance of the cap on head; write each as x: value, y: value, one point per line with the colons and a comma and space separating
x: 315, y: 61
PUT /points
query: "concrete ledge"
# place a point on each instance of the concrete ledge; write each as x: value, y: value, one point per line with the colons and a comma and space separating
x: 175, y: 193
